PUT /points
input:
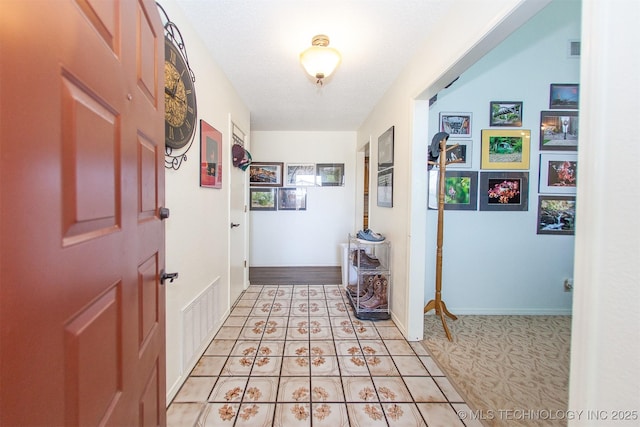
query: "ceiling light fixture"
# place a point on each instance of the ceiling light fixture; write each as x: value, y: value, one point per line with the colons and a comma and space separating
x: 320, y: 60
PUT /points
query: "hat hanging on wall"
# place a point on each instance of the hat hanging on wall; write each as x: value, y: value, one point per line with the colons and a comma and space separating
x: 434, y: 148
x: 241, y: 157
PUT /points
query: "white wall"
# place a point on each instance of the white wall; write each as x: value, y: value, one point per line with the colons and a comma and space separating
x: 197, y: 231
x: 311, y: 237
x: 494, y: 262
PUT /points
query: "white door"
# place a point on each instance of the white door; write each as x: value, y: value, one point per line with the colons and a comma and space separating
x: 239, y: 226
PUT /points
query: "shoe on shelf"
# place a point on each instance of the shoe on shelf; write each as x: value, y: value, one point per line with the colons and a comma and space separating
x: 370, y: 235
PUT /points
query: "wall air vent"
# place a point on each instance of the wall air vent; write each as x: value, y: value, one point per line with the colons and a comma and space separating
x: 573, y: 49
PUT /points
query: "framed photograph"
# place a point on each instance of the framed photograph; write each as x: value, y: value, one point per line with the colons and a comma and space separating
x: 385, y: 188
x: 505, y: 113
x: 556, y: 215
x: 461, y: 154
x: 330, y: 174
x: 263, y: 199
x: 505, y: 149
x: 292, y: 199
x: 564, y: 96
x: 460, y: 190
x: 457, y: 125
x: 265, y: 174
x: 301, y: 174
x: 385, y: 149
x: 559, y: 130
x: 210, y: 156
x: 558, y: 173
x: 504, y: 191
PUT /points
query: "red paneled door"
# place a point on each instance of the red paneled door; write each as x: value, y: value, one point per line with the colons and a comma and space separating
x: 82, y: 244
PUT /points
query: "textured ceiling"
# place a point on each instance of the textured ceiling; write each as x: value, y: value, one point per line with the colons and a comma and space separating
x: 257, y: 44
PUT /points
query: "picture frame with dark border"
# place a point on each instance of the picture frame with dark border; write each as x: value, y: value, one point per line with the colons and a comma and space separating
x: 564, y: 96
x: 505, y: 149
x: 301, y: 174
x: 210, y: 156
x: 456, y: 124
x: 462, y: 152
x: 263, y: 199
x: 385, y: 149
x: 505, y: 113
x: 461, y: 191
x: 385, y: 188
x: 266, y: 174
x: 292, y: 199
x: 559, y: 130
x: 556, y: 215
x: 504, y: 191
x: 330, y: 174
x: 558, y: 173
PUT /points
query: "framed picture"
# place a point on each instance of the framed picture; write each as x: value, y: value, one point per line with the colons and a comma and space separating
x: 385, y: 188
x: 263, y: 199
x: 461, y: 154
x: 460, y: 190
x: 457, y: 125
x: 504, y: 191
x: 558, y: 173
x: 505, y: 149
x: 330, y: 174
x: 564, y: 96
x: 559, y: 130
x: 265, y: 174
x: 301, y: 174
x: 505, y: 113
x: 556, y: 215
x: 385, y: 149
x: 210, y: 156
x: 292, y: 199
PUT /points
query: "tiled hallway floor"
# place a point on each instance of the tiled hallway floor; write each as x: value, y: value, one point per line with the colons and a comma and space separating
x: 295, y: 355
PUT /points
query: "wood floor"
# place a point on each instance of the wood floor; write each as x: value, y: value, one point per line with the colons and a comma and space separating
x: 295, y: 275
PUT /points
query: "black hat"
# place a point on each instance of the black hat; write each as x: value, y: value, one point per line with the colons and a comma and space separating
x: 434, y: 148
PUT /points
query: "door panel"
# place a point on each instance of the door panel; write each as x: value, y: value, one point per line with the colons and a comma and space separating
x: 82, y: 173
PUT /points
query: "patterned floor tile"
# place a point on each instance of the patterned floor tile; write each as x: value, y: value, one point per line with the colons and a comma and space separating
x: 228, y: 389
x: 366, y: 414
x: 327, y: 389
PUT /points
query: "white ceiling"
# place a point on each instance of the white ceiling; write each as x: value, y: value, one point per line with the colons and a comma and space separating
x: 257, y: 44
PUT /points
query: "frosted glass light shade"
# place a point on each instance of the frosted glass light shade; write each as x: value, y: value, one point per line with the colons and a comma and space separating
x: 320, y: 60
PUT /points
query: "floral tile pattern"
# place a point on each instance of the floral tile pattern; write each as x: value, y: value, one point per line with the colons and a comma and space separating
x: 296, y: 355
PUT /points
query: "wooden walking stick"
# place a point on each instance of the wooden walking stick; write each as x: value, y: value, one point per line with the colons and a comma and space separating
x: 440, y: 143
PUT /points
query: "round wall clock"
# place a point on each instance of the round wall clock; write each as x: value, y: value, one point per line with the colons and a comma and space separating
x: 179, y: 97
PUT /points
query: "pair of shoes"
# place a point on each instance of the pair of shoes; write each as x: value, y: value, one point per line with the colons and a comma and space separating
x: 370, y: 235
x: 379, y: 298
x: 366, y: 260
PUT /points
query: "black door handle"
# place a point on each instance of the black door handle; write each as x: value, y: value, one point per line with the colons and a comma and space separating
x: 234, y: 225
x: 163, y: 213
x: 170, y: 276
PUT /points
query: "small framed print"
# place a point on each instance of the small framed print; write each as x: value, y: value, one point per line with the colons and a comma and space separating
x: 460, y: 190
x: 460, y: 155
x: 301, y: 174
x: 457, y: 125
x: 558, y: 173
x: 385, y: 188
x: 385, y: 149
x: 292, y: 199
x: 263, y: 199
x: 505, y: 149
x: 505, y: 113
x: 564, y: 96
x: 556, y: 215
x: 210, y: 156
x: 265, y: 174
x: 504, y: 191
x: 559, y: 130
x: 330, y: 174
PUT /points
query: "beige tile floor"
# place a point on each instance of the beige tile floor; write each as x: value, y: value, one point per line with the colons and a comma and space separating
x: 296, y: 355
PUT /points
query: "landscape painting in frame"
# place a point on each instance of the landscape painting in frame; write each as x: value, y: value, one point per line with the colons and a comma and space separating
x: 301, y: 174
x: 385, y: 149
x: 330, y: 174
x: 558, y: 173
x: 266, y: 174
x: 263, y: 199
x: 504, y: 191
x: 564, y: 96
x: 559, y: 130
x: 385, y: 188
x: 505, y: 149
x: 556, y: 215
x: 457, y: 125
x: 505, y: 113
x: 210, y: 156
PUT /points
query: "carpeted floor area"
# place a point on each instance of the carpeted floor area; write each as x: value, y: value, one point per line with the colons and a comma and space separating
x: 513, y: 370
